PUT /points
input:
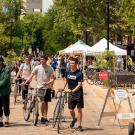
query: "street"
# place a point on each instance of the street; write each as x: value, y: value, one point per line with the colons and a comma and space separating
x: 94, y: 98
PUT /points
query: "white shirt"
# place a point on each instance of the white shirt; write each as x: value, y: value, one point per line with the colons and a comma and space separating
x: 43, y: 74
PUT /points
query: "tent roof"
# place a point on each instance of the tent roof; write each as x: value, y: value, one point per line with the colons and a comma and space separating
x: 101, y: 46
x: 77, y: 47
x: 62, y: 51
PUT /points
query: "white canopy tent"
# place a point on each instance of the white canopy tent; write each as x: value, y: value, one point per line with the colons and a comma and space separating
x: 101, y: 47
x: 62, y: 51
x: 78, y: 47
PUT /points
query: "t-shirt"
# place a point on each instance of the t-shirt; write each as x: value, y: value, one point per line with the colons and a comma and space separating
x: 73, y: 78
x: 26, y: 70
x: 43, y: 74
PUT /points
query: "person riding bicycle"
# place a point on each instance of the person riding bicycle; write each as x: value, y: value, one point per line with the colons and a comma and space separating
x: 45, y: 77
x: 24, y: 72
x: 4, y: 92
x: 74, y: 79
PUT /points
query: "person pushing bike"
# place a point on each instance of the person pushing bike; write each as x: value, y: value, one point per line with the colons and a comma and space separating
x: 74, y: 79
x: 45, y: 77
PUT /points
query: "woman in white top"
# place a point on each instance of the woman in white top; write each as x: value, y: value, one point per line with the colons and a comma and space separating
x: 24, y: 72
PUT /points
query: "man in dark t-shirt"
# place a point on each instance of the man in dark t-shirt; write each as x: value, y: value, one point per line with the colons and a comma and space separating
x: 74, y: 79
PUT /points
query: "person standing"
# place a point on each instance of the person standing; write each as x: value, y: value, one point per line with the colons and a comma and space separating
x: 45, y: 78
x: 130, y: 63
x: 4, y: 93
x: 74, y: 79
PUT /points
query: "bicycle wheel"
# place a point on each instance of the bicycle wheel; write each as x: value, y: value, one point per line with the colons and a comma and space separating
x: 15, y: 93
x: 89, y: 81
x: 27, y: 109
x: 35, y: 113
x: 131, y: 129
x: 56, y: 113
x: 60, y: 117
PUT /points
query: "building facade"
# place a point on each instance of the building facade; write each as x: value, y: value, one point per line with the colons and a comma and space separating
x: 34, y: 5
x: 37, y: 5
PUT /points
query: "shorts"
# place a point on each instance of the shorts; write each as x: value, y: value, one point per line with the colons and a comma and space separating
x: 75, y: 102
x: 47, y: 96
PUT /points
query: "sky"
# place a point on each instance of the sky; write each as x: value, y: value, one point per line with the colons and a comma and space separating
x: 46, y: 4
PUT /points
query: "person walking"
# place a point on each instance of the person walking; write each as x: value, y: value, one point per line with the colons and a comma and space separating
x: 45, y: 78
x: 24, y: 72
x: 4, y: 93
x: 15, y: 69
x: 74, y: 79
x: 53, y: 63
x: 63, y: 66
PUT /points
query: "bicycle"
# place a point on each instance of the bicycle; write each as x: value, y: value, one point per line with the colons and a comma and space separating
x: 16, y: 88
x: 89, y: 75
x: 12, y: 82
x: 31, y: 105
x: 59, y: 110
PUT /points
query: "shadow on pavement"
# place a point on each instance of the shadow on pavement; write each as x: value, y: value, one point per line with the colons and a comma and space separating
x: 91, y: 129
x: 19, y: 125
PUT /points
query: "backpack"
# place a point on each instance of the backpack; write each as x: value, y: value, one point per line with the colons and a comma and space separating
x: 29, y: 65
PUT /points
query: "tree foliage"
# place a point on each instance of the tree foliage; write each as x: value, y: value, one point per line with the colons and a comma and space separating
x: 63, y: 24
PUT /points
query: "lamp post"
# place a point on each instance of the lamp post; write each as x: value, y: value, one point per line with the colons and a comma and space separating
x: 107, y: 21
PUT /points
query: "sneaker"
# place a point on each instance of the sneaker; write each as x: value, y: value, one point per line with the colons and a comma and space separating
x: 42, y: 120
x: 79, y: 128
x: 6, y: 124
x: 1, y: 124
x: 46, y: 120
x: 73, y: 123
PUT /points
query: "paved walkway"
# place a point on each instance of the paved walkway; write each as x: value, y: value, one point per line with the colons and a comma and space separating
x: 94, y: 98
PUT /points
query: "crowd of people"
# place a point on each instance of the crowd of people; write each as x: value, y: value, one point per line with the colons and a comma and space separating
x: 44, y: 69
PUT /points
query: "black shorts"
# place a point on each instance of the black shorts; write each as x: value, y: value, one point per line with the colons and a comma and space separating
x: 47, y: 97
x: 75, y: 102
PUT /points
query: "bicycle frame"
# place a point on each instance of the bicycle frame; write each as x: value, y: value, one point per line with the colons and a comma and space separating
x: 33, y: 99
x: 59, y: 109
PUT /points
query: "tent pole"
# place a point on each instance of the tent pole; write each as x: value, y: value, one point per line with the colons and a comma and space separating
x: 84, y: 60
x: 126, y: 62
